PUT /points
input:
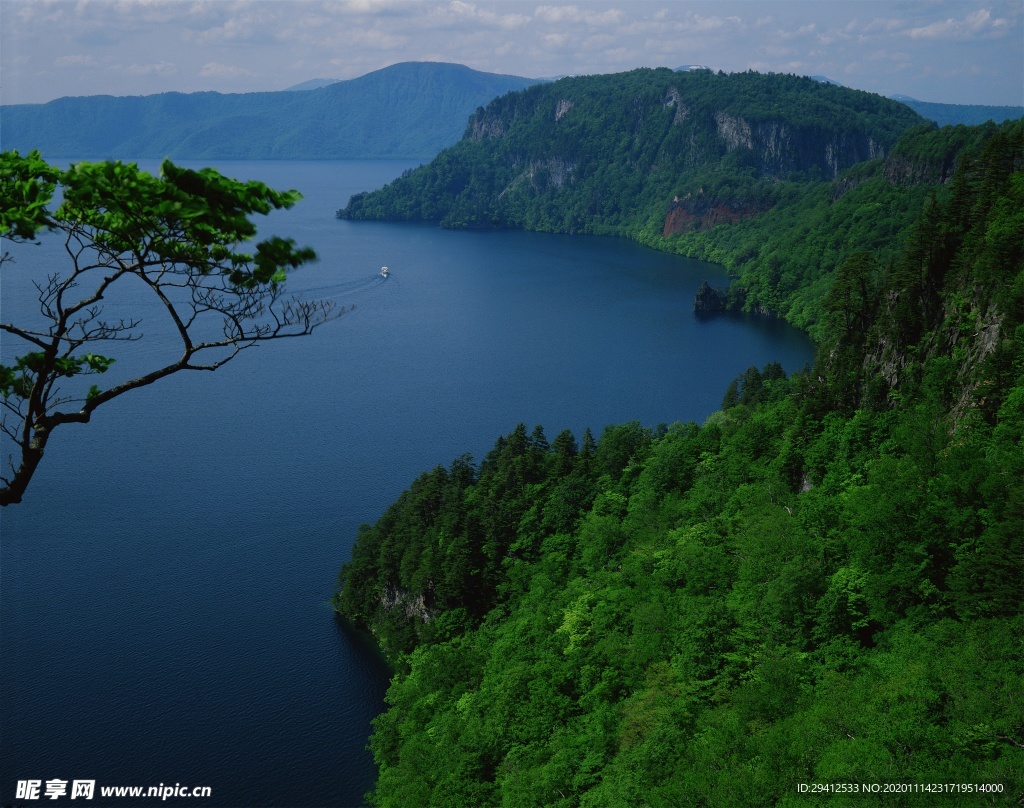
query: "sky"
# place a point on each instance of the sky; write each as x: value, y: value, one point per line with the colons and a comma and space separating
x: 948, y: 51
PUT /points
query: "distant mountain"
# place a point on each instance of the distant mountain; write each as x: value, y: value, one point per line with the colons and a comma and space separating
x: 410, y: 110
x: 953, y: 114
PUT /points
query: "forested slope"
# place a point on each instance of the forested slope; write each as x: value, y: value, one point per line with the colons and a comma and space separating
x: 779, y: 178
x: 600, y: 153
x: 785, y: 258
x: 821, y: 584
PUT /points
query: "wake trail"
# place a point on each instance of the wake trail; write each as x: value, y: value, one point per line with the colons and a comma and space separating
x: 355, y: 287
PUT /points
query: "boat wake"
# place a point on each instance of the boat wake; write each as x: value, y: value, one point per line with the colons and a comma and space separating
x: 356, y: 288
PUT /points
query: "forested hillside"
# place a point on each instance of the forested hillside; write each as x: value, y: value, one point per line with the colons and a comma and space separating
x: 409, y: 110
x: 599, y: 154
x: 784, y: 259
x: 803, y: 173
x: 821, y: 584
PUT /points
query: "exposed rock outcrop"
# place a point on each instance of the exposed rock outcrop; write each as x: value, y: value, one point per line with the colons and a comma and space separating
x: 414, y: 605
x: 968, y: 327
x: 673, y: 98
x: 781, y: 148
x: 900, y: 170
x: 695, y: 212
x: 483, y: 126
x: 551, y: 173
x: 734, y: 131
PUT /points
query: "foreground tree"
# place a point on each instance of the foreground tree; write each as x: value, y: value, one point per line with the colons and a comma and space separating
x: 175, y: 240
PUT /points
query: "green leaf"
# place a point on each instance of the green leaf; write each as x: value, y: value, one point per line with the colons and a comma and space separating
x: 26, y: 188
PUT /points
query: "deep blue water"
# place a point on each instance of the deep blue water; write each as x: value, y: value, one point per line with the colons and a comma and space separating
x: 164, y: 608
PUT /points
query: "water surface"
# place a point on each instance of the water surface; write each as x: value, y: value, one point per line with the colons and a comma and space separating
x: 164, y: 613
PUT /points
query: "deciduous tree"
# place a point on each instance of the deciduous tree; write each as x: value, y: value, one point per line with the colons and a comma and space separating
x: 175, y: 237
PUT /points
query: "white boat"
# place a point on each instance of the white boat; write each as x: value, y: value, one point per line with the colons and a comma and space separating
x: 383, y: 272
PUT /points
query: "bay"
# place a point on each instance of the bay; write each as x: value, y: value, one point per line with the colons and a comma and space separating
x: 164, y: 610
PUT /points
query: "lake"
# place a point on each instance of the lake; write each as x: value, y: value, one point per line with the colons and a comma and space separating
x: 164, y: 613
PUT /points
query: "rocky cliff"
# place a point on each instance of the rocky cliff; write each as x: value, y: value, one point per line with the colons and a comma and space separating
x: 597, y: 153
x: 776, y: 145
x: 695, y: 212
x: 779, y: 148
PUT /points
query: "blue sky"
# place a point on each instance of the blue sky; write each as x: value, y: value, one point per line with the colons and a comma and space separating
x: 933, y: 50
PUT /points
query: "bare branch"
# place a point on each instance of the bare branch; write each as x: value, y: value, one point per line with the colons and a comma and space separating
x: 35, y: 337
x: 179, y: 236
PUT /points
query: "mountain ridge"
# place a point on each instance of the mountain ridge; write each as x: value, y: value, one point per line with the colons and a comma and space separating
x: 268, y: 125
x: 410, y: 110
x: 599, y: 154
x: 772, y: 176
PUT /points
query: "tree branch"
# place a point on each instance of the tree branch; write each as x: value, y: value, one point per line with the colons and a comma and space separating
x: 179, y: 234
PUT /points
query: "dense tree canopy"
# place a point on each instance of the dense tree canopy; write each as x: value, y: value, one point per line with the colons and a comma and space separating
x: 778, y: 178
x: 176, y: 237
x: 821, y: 584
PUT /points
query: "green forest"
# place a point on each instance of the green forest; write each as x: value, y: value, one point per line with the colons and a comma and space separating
x: 805, y: 173
x: 820, y: 586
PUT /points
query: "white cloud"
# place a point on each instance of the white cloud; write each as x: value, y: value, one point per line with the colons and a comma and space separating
x: 52, y: 47
x: 461, y: 13
x: 599, y: 41
x: 576, y: 15
x: 887, y: 56
x: 884, y: 25
x: 701, y: 24
x: 936, y: 30
x: 251, y: 26
x: 978, y: 19
x: 977, y: 22
x: 218, y: 70
x: 75, y: 60
x: 370, y: 7
x: 777, y: 51
x: 376, y: 39
x: 618, y: 56
x: 157, y: 69
x: 802, y: 31
x: 40, y: 12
